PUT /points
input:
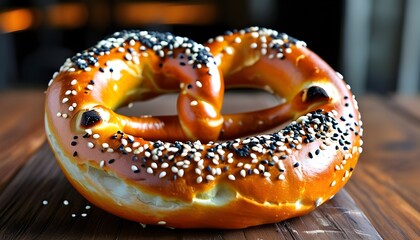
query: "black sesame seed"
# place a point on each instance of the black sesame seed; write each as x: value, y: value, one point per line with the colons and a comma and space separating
x: 317, y: 152
x: 73, y: 143
x: 189, y: 86
x: 310, y: 155
x: 74, y: 154
x: 283, y: 157
x: 342, y: 118
x: 75, y: 137
x: 296, y: 165
x: 110, y: 161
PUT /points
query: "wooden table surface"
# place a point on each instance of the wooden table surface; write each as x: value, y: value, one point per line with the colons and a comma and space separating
x: 382, y: 200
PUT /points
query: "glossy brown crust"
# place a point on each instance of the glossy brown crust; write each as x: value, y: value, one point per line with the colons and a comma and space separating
x: 257, y: 180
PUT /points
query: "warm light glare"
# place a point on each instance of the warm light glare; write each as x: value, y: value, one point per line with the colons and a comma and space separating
x: 16, y: 20
x: 70, y: 15
x: 165, y: 13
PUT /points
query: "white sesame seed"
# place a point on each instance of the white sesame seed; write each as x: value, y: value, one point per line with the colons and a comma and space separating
x: 162, y: 174
x: 89, y: 87
x: 231, y: 177
x: 68, y: 92
x: 281, y: 177
x: 333, y: 183
x: 149, y: 170
x: 59, y: 114
x: 87, y: 207
x: 83, y: 214
x: 318, y: 202
x: 228, y: 50
x: 153, y: 165
x: 90, y: 145
x: 64, y: 115
x: 45, y: 202
x: 181, y: 172
x: 161, y: 223
x: 219, y: 38
x: 73, y: 215
x: 65, y: 100
x: 194, y: 103
x: 73, y: 82
x: 199, y: 179
x: 267, y: 174
x: 210, y: 178
x: 253, y: 45
x: 95, y: 136
x: 243, y: 173
x: 238, y: 40
x: 102, y: 164
x: 198, y: 83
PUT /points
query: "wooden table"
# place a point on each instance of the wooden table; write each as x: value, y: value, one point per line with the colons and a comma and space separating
x: 382, y: 200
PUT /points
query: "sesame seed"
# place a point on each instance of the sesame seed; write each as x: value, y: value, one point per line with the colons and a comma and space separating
x: 333, y: 183
x: 90, y: 145
x: 231, y: 177
x: 219, y: 38
x: 162, y: 174
x: 65, y: 202
x: 253, y: 45
x: 102, y: 164
x: 45, y: 202
x: 210, y: 178
x: 243, y: 173
x: 194, y: 103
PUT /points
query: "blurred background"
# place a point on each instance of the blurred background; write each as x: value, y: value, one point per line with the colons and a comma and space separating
x: 374, y: 43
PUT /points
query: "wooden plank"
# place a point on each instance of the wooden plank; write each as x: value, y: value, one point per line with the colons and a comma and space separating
x: 25, y: 216
x: 386, y: 183
x: 410, y: 105
x: 21, y: 131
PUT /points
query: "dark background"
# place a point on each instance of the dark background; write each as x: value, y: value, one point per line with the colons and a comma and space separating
x: 58, y: 29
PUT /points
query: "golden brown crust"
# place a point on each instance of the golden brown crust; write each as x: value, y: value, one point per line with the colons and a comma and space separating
x: 233, y: 184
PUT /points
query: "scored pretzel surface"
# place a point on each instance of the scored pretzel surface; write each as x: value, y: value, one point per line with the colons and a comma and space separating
x: 231, y: 184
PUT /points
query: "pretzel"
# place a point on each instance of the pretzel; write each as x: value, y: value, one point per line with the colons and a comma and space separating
x: 206, y: 184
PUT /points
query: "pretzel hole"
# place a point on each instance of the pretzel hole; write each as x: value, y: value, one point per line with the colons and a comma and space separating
x: 235, y: 101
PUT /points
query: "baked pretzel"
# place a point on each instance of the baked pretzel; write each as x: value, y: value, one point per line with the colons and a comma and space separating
x: 232, y: 184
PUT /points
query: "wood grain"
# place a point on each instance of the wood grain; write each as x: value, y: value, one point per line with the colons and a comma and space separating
x: 21, y: 131
x: 386, y: 182
x: 24, y: 215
